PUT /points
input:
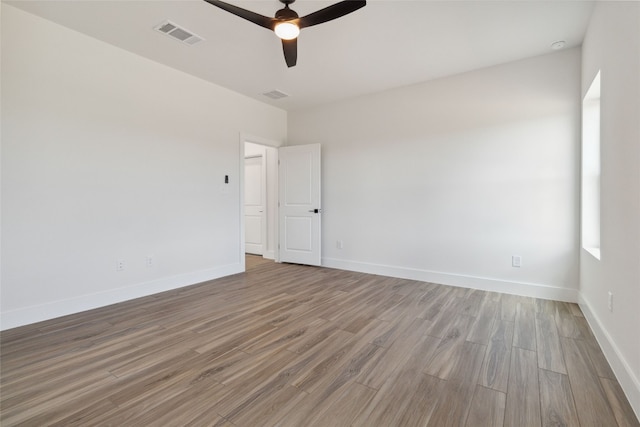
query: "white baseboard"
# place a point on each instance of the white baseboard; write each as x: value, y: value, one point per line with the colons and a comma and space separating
x: 628, y: 381
x: 481, y: 283
x: 38, y: 313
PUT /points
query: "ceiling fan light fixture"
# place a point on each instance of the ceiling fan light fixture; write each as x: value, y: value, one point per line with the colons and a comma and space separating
x: 287, y: 24
x: 287, y: 30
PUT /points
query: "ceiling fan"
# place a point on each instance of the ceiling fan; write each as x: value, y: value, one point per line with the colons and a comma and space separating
x: 287, y: 24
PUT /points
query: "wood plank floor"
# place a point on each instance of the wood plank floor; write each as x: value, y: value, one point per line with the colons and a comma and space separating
x: 287, y: 345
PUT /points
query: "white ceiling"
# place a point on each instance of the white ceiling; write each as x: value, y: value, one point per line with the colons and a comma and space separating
x: 386, y: 44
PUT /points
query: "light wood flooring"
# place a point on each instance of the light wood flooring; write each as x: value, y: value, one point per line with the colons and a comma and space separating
x: 291, y: 345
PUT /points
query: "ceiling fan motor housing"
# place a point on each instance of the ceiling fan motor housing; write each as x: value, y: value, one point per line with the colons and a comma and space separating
x: 286, y: 14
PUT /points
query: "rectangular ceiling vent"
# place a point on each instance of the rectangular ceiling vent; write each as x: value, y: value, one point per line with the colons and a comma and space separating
x: 275, y: 94
x: 179, y: 33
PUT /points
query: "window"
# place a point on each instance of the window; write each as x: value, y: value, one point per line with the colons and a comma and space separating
x: 591, y: 169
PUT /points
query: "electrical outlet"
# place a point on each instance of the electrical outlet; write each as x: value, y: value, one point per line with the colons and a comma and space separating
x: 150, y: 261
x: 120, y: 265
x: 516, y: 261
x: 610, y: 301
x: 339, y: 244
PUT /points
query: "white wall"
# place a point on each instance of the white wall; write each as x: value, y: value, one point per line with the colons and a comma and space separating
x: 446, y: 180
x: 612, y: 45
x: 106, y: 156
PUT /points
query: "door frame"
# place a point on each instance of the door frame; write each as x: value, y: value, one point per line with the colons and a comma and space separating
x: 245, y: 137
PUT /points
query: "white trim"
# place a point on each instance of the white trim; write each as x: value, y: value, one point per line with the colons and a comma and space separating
x: 246, y: 137
x: 594, y: 252
x: 243, y: 248
x: 51, y: 310
x: 486, y: 284
x: 624, y: 374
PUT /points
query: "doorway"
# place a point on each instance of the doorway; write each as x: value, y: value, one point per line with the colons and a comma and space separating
x: 260, y: 197
x: 255, y: 204
x: 297, y: 222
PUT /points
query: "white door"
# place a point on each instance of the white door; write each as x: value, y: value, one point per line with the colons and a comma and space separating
x: 300, y: 207
x: 254, y: 205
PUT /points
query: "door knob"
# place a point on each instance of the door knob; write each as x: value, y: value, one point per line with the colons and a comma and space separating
x: 315, y: 210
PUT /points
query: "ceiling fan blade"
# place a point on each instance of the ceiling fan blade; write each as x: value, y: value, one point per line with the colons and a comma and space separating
x: 256, y: 18
x: 331, y: 12
x: 290, y: 49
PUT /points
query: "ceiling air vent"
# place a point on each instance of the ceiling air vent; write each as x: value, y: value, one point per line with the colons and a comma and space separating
x: 178, y: 33
x: 275, y: 94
